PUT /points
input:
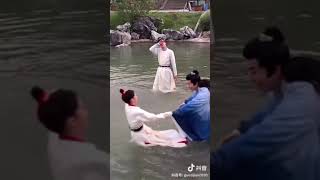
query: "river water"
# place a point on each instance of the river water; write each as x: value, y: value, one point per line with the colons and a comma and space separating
x: 53, y: 48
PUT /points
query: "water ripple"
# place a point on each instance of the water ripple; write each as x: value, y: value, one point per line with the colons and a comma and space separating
x: 35, y: 45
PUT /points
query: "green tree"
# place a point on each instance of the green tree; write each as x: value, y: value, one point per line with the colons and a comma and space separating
x: 130, y: 10
x: 204, y: 21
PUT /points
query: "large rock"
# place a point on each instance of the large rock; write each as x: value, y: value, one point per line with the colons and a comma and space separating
x: 172, y: 34
x: 115, y: 38
x: 122, y: 45
x: 118, y: 37
x: 126, y: 38
x: 187, y: 32
x: 156, y: 36
x: 135, y: 36
x: 124, y: 28
x: 156, y: 21
x: 205, y: 34
x: 143, y: 26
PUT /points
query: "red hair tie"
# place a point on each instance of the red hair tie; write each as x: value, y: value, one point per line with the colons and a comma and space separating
x: 44, y: 98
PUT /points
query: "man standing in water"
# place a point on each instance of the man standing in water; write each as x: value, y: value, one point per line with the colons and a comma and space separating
x: 167, y: 70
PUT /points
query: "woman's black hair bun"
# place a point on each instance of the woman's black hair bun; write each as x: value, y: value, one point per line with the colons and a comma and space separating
x: 37, y: 93
x: 195, y: 72
x: 275, y: 33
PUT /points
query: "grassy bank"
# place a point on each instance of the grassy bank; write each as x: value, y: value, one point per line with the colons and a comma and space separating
x: 172, y: 20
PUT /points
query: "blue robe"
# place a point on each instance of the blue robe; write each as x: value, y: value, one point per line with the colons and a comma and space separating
x: 280, y: 143
x: 273, y: 101
x: 194, y: 116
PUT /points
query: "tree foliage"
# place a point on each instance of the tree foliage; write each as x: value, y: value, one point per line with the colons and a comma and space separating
x: 130, y: 10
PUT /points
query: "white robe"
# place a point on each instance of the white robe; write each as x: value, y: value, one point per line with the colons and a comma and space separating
x: 164, y: 80
x: 147, y: 136
x: 71, y: 160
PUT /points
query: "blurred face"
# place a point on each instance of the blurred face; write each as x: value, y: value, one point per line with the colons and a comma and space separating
x: 134, y: 100
x: 259, y: 77
x: 163, y: 45
x: 191, y: 86
x: 81, y: 116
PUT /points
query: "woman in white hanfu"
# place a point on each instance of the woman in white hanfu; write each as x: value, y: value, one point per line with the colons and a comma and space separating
x: 142, y: 134
x: 71, y: 157
x: 167, y: 70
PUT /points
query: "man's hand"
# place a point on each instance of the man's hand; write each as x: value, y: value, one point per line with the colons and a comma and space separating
x: 167, y: 114
x: 158, y: 40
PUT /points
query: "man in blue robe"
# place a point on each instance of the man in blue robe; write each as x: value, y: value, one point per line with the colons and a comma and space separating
x: 282, y: 141
x: 194, y: 115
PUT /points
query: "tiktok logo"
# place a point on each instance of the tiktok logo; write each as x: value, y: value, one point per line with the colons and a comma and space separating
x: 190, y: 168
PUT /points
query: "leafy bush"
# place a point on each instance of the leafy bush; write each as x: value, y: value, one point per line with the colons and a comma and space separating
x: 204, y: 22
x: 130, y: 10
x: 115, y: 20
x: 177, y: 20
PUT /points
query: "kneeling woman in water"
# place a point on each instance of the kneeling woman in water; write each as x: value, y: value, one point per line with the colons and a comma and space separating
x: 66, y: 118
x: 141, y: 133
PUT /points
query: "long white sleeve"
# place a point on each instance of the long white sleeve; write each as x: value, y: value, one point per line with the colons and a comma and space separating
x: 155, y: 49
x: 173, y: 63
x: 146, y: 116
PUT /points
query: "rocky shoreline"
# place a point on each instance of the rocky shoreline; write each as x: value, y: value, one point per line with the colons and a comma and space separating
x: 198, y: 40
x: 145, y: 29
